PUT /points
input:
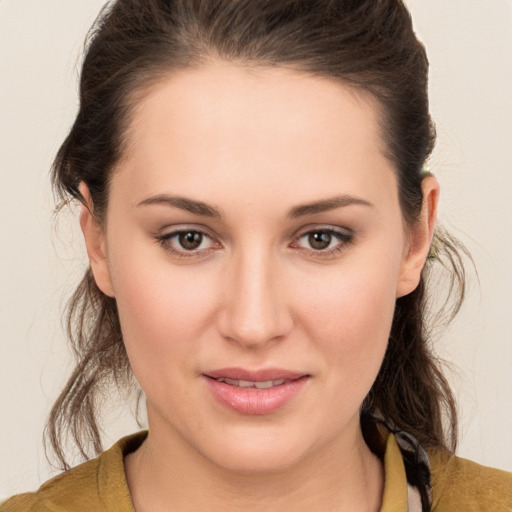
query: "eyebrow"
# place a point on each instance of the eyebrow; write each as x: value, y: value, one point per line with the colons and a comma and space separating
x: 189, y: 205
x: 206, y: 210
x: 326, y: 205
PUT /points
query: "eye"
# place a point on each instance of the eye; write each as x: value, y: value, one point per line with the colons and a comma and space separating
x: 190, y: 240
x: 324, y: 242
x: 320, y: 240
x: 187, y: 242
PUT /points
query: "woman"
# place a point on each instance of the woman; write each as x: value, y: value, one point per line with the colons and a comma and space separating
x: 258, y: 220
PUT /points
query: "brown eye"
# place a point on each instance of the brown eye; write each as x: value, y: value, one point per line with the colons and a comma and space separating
x: 325, y: 242
x: 320, y: 240
x: 188, y: 243
x: 190, y: 240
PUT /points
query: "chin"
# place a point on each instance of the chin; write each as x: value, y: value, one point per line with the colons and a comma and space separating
x: 257, y: 460
x: 260, y: 450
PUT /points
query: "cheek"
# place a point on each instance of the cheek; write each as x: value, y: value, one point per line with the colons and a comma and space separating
x: 352, y: 334
x: 350, y: 314
x: 162, y: 310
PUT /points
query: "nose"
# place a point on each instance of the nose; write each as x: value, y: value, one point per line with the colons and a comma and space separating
x: 255, y: 310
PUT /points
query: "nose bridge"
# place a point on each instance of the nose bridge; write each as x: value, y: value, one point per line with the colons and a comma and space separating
x: 255, y: 311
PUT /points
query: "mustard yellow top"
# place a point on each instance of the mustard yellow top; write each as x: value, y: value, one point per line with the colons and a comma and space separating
x: 99, y: 485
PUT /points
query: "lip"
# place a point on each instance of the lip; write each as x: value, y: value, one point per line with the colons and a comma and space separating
x: 251, y: 401
x: 254, y: 375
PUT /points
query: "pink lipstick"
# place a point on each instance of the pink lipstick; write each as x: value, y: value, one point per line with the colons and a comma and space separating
x: 255, y: 392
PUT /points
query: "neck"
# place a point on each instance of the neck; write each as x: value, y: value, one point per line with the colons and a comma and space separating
x: 343, y: 476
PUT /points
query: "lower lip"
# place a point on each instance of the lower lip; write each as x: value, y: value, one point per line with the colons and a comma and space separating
x: 253, y: 401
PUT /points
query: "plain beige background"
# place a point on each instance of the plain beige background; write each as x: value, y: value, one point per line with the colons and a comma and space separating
x: 469, y: 44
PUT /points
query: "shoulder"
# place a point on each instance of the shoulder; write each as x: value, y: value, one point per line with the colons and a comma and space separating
x: 64, y: 492
x: 461, y: 485
x: 95, y: 485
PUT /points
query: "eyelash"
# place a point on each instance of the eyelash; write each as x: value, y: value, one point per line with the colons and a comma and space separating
x: 344, y: 239
x: 166, y: 242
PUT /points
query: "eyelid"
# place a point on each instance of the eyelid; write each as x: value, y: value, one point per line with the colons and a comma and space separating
x: 164, y: 236
x: 345, y: 237
x: 313, y: 228
x: 169, y: 231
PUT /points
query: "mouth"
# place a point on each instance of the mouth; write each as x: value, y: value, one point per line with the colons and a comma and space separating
x: 258, y: 379
x: 266, y: 384
x: 249, y: 384
x: 255, y: 393
x: 263, y: 375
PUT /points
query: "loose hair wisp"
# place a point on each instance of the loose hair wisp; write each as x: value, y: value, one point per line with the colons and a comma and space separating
x: 369, y: 45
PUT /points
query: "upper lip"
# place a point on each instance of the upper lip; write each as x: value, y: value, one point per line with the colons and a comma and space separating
x: 262, y: 375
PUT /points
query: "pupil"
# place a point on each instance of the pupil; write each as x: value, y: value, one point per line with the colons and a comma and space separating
x: 320, y: 240
x: 190, y: 240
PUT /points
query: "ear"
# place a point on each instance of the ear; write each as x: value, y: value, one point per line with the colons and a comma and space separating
x: 95, y: 243
x: 419, y: 238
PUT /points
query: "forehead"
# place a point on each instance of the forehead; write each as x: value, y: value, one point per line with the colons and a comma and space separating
x: 227, y: 124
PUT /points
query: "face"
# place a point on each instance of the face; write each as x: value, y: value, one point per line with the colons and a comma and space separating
x: 255, y: 247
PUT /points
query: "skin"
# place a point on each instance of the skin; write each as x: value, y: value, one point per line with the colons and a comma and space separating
x: 255, y: 144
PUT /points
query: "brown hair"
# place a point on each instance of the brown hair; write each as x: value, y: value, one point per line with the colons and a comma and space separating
x: 366, y: 44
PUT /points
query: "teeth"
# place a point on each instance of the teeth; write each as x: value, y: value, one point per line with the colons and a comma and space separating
x: 268, y: 384
x: 264, y: 385
x: 250, y: 384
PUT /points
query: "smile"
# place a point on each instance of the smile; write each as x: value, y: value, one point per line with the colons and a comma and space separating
x: 267, y: 384
x: 255, y: 392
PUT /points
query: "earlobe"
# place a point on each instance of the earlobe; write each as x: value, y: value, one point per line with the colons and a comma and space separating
x: 420, y: 238
x: 94, y: 237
